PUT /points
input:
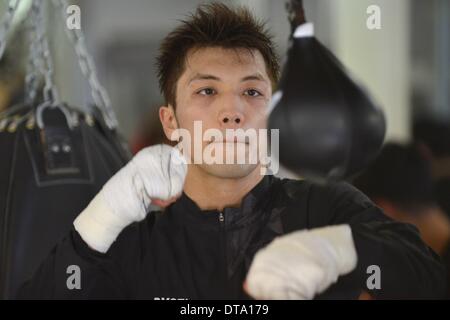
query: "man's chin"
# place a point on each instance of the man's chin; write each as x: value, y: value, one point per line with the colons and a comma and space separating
x: 229, y: 171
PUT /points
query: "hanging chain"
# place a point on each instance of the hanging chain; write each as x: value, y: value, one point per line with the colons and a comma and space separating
x: 99, y: 94
x: 50, y: 91
x: 5, y: 24
x: 40, y: 59
x: 34, y: 61
x: 296, y: 13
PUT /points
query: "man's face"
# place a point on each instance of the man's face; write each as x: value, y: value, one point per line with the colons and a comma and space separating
x: 224, y: 89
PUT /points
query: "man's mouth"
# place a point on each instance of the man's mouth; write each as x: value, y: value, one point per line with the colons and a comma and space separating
x: 245, y: 140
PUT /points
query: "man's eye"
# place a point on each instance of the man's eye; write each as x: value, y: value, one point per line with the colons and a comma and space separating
x: 253, y: 93
x: 207, y: 92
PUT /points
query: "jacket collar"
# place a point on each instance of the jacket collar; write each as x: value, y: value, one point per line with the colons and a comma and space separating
x: 232, y: 216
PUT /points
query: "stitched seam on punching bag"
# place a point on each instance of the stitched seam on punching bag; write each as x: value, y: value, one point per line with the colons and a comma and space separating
x: 4, y: 267
x: 111, y: 150
x: 308, y: 200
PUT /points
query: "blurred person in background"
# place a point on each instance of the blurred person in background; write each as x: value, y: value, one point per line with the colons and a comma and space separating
x: 400, y: 182
x: 11, y: 81
x: 433, y: 140
x: 12, y: 73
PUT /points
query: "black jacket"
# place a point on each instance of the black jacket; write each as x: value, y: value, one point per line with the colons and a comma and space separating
x: 188, y: 253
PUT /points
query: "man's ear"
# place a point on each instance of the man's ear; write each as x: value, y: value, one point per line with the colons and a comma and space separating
x: 168, y: 120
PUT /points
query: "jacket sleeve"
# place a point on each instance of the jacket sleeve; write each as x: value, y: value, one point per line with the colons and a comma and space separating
x: 73, y: 270
x: 408, y: 268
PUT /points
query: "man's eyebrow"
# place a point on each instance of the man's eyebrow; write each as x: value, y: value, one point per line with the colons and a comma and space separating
x: 201, y: 76
x: 256, y: 76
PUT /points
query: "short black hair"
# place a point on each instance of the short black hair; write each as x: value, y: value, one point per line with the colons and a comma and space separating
x: 399, y: 174
x: 433, y: 133
x: 213, y: 25
x: 12, y: 63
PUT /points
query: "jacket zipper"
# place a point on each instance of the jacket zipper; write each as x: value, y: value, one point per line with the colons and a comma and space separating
x: 224, y: 253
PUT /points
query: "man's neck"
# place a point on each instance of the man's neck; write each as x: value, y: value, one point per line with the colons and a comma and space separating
x: 214, y: 193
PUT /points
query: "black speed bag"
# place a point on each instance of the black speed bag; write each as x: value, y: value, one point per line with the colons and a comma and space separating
x: 329, y: 127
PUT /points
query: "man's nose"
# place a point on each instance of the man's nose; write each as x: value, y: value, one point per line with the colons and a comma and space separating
x: 231, y: 119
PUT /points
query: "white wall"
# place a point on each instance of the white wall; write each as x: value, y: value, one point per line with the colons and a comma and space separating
x: 379, y: 58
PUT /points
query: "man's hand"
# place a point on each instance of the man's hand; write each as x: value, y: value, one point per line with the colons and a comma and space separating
x: 302, y: 264
x: 155, y: 175
x: 164, y: 203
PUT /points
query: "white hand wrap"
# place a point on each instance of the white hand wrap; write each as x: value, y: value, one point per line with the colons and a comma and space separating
x: 302, y: 264
x: 156, y: 172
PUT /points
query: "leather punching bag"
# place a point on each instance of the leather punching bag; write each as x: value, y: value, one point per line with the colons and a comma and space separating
x: 47, y: 177
x: 329, y: 127
x: 53, y: 159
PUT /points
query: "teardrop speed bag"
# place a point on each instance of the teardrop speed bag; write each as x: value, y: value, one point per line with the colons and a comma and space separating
x: 329, y: 127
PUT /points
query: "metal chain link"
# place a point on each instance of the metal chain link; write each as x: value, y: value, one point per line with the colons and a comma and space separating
x: 99, y: 94
x: 46, y: 68
x: 34, y: 60
x: 40, y: 59
x: 5, y: 24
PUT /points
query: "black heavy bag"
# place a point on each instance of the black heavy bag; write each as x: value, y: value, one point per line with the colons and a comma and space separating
x: 47, y: 177
x: 54, y: 159
x: 329, y: 127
